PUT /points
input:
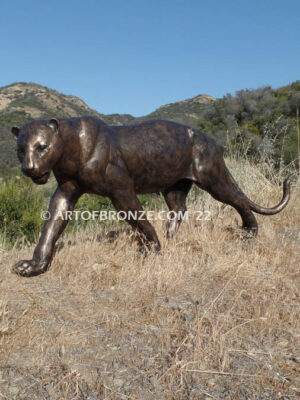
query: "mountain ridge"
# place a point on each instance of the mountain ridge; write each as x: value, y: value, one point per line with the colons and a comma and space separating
x: 251, y: 118
x: 22, y: 102
x: 25, y: 96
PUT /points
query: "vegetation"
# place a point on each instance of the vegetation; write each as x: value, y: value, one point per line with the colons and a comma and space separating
x: 258, y: 124
x: 185, y: 112
x: 211, y: 316
x: 263, y: 122
x: 8, y: 154
x: 22, y: 203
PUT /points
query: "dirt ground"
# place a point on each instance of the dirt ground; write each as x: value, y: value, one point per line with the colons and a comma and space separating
x: 213, y: 316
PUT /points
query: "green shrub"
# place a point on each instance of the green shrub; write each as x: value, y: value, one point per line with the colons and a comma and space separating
x: 21, y: 204
x: 20, y: 207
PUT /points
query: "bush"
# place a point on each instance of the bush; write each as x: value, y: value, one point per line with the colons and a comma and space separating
x: 21, y: 204
x: 20, y: 207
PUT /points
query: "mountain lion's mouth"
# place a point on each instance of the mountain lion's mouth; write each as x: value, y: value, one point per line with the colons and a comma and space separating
x: 40, y: 180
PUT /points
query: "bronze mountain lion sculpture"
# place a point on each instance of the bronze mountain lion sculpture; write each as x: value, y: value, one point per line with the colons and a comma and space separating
x: 88, y: 156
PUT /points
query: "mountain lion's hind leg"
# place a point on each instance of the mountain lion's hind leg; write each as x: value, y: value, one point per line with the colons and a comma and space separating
x: 175, y: 197
x: 127, y: 201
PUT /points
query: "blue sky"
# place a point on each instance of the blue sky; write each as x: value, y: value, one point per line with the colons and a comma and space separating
x: 131, y: 56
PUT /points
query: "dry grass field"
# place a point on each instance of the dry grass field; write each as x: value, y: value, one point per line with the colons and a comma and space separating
x: 212, y: 316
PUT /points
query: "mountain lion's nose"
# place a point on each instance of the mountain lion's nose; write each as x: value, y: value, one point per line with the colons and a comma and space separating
x: 28, y: 167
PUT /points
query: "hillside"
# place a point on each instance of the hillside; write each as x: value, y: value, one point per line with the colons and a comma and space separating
x: 261, y: 122
x: 186, y: 111
x: 23, y: 102
x: 38, y: 101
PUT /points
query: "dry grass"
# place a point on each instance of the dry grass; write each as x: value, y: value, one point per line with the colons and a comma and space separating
x: 212, y: 316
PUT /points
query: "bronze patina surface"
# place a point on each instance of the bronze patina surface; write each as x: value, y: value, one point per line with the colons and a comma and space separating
x: 88, y: 156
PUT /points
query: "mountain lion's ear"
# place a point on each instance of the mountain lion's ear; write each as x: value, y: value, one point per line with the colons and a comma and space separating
x: 53, y: 124
x: 15, y: 131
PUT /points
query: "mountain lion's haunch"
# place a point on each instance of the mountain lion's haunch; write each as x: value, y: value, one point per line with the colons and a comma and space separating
x: 88, y: 156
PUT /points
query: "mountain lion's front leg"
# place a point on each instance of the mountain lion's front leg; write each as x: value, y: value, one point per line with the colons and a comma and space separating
x: 63, y: 200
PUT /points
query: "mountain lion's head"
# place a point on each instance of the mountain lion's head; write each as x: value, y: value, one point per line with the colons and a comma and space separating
x: 39, y: 148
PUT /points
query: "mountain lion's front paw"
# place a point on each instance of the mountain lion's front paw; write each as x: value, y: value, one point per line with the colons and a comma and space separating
x: 28, y: 268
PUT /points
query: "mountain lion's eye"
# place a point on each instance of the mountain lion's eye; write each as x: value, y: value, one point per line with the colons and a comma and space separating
x: 21, y: 152
x: 42, y: 147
